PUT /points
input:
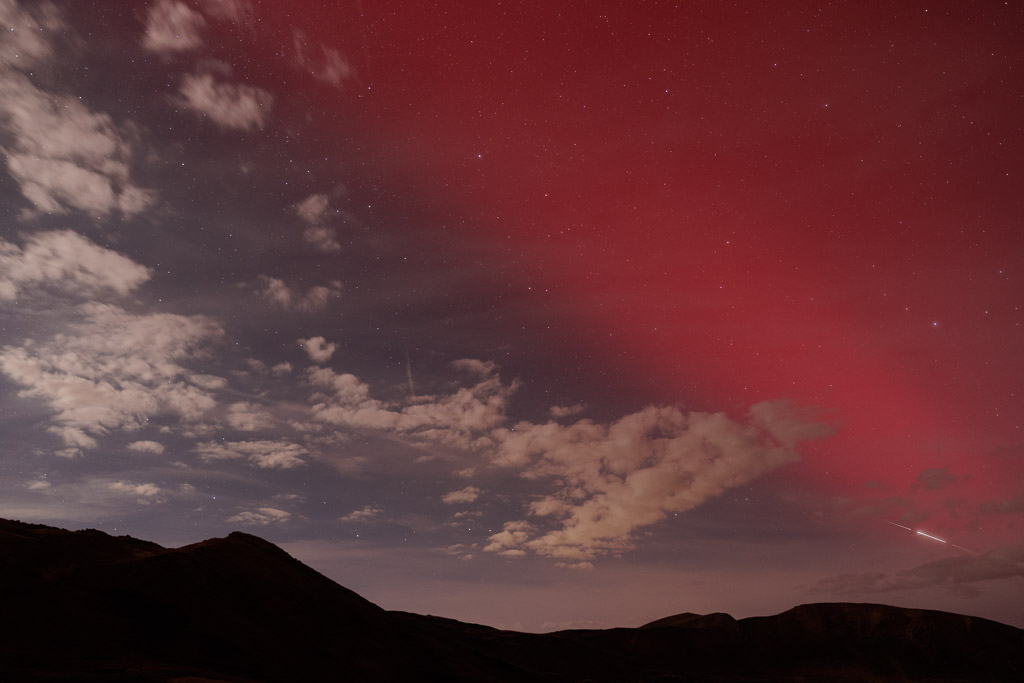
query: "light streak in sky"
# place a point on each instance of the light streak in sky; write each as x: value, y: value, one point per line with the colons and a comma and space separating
x: 934, y: 538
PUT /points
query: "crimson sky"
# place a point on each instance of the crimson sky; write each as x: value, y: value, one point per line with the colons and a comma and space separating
x: 494, y: 310
x: 818, y: 202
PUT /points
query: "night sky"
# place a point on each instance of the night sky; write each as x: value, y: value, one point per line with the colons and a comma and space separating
x: 531, y: 314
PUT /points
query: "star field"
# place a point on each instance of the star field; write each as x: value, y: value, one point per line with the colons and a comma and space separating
x: 530, y: 314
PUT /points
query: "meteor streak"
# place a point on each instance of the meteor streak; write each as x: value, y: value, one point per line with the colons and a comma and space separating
x: 934, y: 538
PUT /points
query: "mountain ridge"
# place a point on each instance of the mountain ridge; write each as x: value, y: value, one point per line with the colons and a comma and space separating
x: 239, y: 608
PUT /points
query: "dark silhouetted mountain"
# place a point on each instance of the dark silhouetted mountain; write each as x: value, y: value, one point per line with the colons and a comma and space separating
x: 86, y: 606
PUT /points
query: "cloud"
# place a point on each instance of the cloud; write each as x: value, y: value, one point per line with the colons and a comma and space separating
x: 237, y: 11
x: 66, y: 260
x: 618, y: 478
x: 86, y: 500
x: 261, y: 517
x: 956, y: 574
x: 461, y: 419
x: 935, y: 479
x: 1007, y: 506
x: 364, y: 515
x: 246, y: 417
x: 239, y: 107
x: 463, y: 495
x: 280, y: 295
x: 318, y: 348
x: 264, y: 454
x: 173, y: 26
x: 62, y: 155
x: 73, y: 436
x: 566, y: 411
x: 507, y: 541
x: 25, y: 44
x: 144, y: 492
x: 329, y: 66
x: 114, y: 370
x: 579, y: 566
x: 313, y: 210
x: 322, y: 237
x: 146, y: 447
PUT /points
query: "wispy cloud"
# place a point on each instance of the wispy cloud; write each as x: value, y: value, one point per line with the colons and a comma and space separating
x: 63, y: 156
x: 261, y: 516
x: 282, y: 296
x: 326, y: 64
x: 173, y: 26
x: 313, y: 210
x: 66, y: 260
x: 229, y: 105
x: 466, y: 494
x: 114, y: 370
x: 957, y: 574
x: 265, y: 454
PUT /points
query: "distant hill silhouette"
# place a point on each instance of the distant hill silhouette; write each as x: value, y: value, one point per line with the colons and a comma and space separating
x: 86, y: 606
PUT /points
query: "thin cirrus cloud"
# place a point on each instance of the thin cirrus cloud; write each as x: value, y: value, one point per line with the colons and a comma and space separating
x: 958, y: 575
x: 326, y: 64
x: 229, y: 105
x: 248, y: 417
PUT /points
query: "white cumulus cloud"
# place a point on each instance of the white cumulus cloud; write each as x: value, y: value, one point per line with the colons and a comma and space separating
x: 114, y: 370
x: 154, y: 447
x: 616, y: 479
x: 319, y: 349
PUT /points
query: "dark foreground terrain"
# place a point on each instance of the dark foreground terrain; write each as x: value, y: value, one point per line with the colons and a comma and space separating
x: 85, y: 606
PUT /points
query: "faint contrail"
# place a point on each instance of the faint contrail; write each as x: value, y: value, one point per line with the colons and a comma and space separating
x: 899, y: 525
x: 408, y: 373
